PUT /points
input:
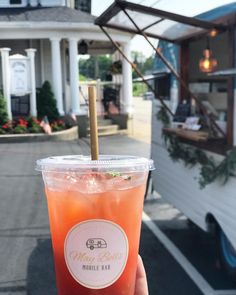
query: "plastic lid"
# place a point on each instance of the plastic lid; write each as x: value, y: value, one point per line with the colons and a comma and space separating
x: 80, y: 163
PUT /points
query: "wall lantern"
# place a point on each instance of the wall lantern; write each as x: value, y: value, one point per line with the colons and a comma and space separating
x: 83, y: 47
x: 207, y: 63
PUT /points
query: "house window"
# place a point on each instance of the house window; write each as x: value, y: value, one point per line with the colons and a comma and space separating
x: 12, y: 2
x: 83, y: 5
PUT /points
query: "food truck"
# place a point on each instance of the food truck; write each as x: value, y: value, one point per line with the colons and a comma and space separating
x: 195, y: 170
x: 194, y: 115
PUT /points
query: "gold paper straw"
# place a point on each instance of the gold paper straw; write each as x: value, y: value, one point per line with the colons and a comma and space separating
x: 93, y: 122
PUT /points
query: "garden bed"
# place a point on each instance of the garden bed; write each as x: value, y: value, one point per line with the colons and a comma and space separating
x: 67, y: 134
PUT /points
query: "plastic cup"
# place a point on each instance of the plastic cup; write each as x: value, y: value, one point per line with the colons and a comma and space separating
x: 95, y: 210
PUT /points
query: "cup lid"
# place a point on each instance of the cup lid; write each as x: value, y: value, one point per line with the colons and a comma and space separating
x: 106, y: 163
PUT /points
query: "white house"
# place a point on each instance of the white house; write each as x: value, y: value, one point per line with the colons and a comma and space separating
x: 54, y: 28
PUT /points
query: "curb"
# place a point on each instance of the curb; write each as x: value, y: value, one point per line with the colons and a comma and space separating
x: 68, y: 134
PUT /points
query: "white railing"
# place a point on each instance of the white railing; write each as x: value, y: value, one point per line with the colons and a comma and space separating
x: 103, y: 100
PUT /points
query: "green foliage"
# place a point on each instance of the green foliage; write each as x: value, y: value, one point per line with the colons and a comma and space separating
x: 46, y: 103
x: 95, y: 67
x: 139, y: 89
x: 143, y: 63
x: 116, y: 67
x: 20, y: 129
x: 58, y: 125
x: 210, y: 171
x: 163, y: 117
x: 3, y: 110
x: 82, y: 77
x: 33, y: 125
x: 98, y: 67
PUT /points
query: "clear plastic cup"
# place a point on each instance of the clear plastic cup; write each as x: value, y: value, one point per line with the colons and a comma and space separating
x: 95, y: 210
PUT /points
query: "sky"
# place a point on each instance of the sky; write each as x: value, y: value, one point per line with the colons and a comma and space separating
x: 184, y: 7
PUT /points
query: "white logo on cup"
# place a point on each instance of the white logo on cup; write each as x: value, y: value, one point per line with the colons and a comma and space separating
x: 96, y: 253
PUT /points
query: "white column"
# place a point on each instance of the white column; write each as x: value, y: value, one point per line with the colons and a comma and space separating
x: 33, y: 105
x: 127, y: 81
x: 6, y: 79
x: 56, y: 73
x: 74, y: 76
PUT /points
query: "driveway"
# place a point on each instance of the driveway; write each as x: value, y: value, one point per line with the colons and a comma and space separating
x: 25, y: 246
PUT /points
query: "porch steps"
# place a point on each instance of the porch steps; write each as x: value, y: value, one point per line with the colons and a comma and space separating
x: 106, y: 127
x: 104, y: 122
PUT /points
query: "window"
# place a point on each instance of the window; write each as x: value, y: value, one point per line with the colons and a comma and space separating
x: 162, y: 86
x: 83, y: 5
x: 15, y: 2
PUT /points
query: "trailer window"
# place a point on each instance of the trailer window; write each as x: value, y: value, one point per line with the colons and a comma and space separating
x: 162, y: 87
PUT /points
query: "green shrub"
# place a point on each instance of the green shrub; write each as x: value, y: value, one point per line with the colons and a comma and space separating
x: 3, y: 110
x: 33, y: 125
x: 20, y: 129
x: 58, y: 125
x: 46, y: 103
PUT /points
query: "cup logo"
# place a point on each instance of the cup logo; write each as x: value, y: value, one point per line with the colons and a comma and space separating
x: 96, y: 243
x: 96, y: 253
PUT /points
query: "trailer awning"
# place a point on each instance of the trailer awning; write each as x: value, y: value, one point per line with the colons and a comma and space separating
x: 154, y: 22
x: 153, y: 76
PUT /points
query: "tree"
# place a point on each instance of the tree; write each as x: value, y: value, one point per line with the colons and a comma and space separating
x: 3, y: 110
x: 95, y: 67
x: 143, y: 63
x: 46, y: 103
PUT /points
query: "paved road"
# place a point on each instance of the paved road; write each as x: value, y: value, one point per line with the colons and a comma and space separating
x: 141, y: 125
x: 25, y: 245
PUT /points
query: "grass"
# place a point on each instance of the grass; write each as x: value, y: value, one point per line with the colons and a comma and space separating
x: 139, y: 89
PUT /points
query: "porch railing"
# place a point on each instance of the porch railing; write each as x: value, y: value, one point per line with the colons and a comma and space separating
x: 108, y: 96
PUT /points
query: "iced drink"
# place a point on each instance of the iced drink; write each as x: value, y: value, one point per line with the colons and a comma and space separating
x: 95, y: 212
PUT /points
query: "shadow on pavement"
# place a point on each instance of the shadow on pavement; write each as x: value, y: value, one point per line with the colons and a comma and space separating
x: 40, y: 272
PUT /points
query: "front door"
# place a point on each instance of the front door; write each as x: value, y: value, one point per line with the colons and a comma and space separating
x: 20, y: 105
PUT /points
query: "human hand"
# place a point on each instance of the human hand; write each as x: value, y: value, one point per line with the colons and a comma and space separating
x: 141, y: 287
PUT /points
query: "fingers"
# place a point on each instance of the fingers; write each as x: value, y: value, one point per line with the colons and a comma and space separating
x: 141, y: 287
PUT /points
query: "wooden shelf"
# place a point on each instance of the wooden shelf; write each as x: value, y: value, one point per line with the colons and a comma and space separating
x: 197, y: 136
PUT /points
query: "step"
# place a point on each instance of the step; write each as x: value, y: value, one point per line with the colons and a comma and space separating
x: 104, y: 122
x: 106, y: 130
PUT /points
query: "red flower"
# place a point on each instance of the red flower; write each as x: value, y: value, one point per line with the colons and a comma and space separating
x: 23, y: 123
x: 7, y: 125
x: 35, y: 121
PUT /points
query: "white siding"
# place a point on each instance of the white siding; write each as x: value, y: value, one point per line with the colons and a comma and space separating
x: 6, y: 3
x: 50, y: 3
x: 179, y: 186
x: 47, y: 61
x: 45, y: 3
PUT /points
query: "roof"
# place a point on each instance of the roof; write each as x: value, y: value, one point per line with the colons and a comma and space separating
x: 44, y: 14
x: 156, y: 23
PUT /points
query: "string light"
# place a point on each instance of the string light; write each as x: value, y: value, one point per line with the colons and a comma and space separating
x: 207, y: 63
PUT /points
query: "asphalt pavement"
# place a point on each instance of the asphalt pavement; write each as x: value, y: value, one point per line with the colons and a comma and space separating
x: 25, y: 246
